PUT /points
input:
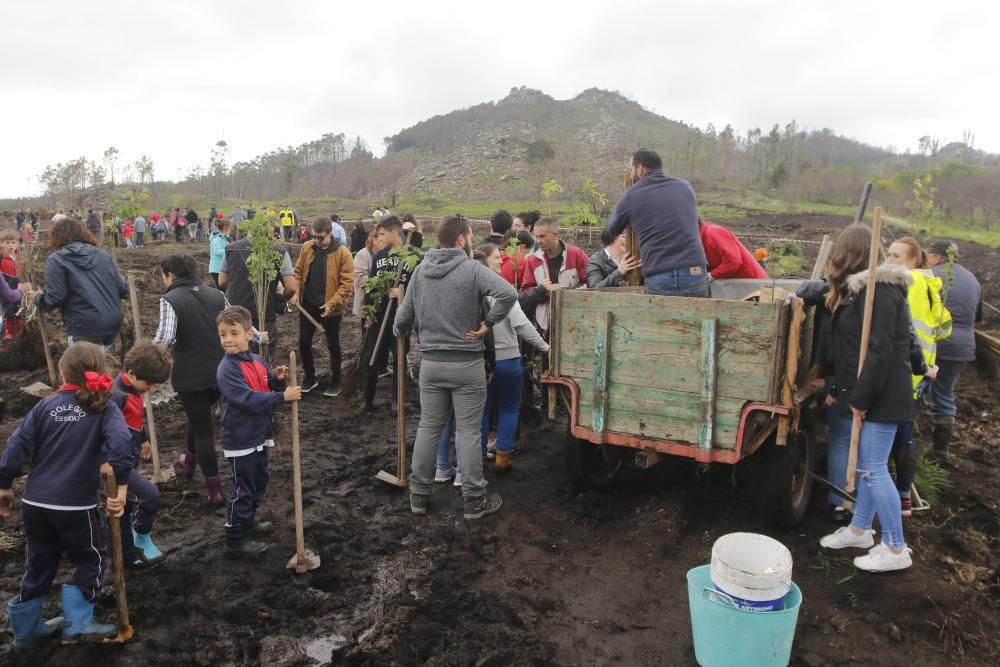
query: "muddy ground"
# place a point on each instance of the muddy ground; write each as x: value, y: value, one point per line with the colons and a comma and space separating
x: 557, y: 577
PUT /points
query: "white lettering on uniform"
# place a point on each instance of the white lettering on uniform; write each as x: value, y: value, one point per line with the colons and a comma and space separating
x: 58, y: 416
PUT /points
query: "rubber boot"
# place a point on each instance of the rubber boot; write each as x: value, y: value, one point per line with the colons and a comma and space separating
x: 144, y: 543
x: 8, y: 329
x: 260, y: 528
x: 79, y: 616
x: 503, y: 462
x: 187, y: 462
x: 941, y: 436
x: 247, y: 549
x: 214, y: 485
x: 27, y: 624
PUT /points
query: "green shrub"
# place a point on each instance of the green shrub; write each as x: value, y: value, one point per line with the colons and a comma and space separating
x: 786, y: 258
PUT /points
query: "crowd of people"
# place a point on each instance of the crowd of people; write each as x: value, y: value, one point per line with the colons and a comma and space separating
x: 470, y: 318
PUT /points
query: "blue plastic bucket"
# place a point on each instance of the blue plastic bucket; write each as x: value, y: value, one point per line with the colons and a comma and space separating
x: 725, y: 635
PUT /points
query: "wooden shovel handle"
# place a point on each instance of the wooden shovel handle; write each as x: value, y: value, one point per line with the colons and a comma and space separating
x: 300, y: 537
x: 111, y: 491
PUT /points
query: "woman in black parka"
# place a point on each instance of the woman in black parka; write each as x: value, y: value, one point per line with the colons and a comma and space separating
x: 880, y: 395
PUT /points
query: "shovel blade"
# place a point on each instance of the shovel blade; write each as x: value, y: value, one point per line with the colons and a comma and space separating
x: 121, y: 637
x: 310, y: 561
x: 833, y: 487
x: 391, y: 479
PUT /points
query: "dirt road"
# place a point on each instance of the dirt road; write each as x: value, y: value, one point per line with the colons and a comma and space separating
x: 557, y: 577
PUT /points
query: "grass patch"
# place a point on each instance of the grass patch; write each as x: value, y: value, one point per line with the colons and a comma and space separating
x: 735, y: 204
x: 931, y: 479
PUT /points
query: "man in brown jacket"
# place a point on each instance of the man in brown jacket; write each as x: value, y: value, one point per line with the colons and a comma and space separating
x: 325, y: 276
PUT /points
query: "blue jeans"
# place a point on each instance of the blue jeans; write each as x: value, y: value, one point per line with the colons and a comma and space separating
x: 837, y: 452
x: 505, y: 390
x: 877, y: 494
x: 678, y: 282
x: 443, y: 451
x: 943, y: 388
x: 904, y: 456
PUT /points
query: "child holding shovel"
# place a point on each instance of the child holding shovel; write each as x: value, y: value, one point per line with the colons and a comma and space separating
x: 64, y: 439
x: 250, y: 391
x: 146, y: 365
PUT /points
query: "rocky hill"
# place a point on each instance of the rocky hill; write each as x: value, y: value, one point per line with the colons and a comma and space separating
x: 507, y: 148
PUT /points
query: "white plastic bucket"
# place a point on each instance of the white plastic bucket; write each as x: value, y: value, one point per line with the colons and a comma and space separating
x: 754, y: 570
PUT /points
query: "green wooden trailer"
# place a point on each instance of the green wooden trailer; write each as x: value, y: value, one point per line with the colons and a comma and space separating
x: 714, y: 380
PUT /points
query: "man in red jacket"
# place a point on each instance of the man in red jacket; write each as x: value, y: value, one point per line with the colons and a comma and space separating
x: 727, y: 257
x: 554, y: 265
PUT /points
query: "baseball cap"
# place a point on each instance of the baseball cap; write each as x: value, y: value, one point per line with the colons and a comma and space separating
x: 942, y: 246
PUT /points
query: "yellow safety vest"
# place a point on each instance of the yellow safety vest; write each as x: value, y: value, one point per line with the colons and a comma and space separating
x: 931, y: 320
x: 287, y: 217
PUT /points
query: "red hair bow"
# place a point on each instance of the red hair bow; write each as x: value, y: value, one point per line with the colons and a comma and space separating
x: 97, y: 382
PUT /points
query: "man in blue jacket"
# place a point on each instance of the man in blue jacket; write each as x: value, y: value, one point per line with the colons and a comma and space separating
x: 663, y: 211
x: 963, y: 296
x: 83, y: 282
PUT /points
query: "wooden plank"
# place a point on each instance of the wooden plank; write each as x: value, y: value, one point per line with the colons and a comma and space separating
x: 555, y: 329
x: 661, y: 375
x: 685, y: 431
x: 684, y: 308
x: 602, y: 354
x: 791, y: 368
x: 825, y: 248
x: 706, y: 433
x: 634, y: 277
x: 660, y: 414
x: 674, y: 350
x: 777, y: 357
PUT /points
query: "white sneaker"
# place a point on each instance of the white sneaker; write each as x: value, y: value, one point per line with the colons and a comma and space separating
x: 442, y: 476
x: 458, y: 479
x: 844, y: 537
x: 882, y: 559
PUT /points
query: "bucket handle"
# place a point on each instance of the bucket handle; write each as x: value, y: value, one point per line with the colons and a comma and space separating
x: 718, y: 597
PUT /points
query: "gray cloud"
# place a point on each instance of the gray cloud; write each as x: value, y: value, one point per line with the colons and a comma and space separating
x: 170, y: 79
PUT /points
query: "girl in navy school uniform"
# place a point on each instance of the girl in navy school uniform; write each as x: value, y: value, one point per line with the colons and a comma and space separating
x: 64, y: 439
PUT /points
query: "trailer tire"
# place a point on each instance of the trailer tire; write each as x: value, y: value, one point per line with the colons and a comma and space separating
x: 595, y: 466
x: 785, y: 487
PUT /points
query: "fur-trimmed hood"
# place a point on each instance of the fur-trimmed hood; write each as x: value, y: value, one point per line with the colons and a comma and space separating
x: 887, y: 274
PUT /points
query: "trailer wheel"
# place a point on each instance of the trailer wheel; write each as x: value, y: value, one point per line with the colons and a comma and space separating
x: 785, y: 486
x: 591, y: 465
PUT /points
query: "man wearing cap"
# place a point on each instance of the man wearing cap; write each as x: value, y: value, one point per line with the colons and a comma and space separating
x: 963, y: 296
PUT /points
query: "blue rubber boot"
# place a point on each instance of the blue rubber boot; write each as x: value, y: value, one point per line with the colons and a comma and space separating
x: 27, y: 624
x: 79, y: 617
x: 144, y: 543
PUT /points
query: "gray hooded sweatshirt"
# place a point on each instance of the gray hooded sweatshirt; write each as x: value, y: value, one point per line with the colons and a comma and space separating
x: 443, y: 302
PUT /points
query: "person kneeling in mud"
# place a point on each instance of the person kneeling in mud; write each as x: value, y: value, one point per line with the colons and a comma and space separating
x: 250, y: 391
x: 64, y: 439
x: 146, y: 365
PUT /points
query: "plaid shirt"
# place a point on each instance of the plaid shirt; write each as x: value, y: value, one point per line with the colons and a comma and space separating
x: 166, y: 333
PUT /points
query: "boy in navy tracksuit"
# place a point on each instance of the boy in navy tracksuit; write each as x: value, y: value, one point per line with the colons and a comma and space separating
x: 249, y: 393
x: 64, y: 439
x: 146, y: 365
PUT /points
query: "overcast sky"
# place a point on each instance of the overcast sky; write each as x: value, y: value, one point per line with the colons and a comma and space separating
x: 170, y: 78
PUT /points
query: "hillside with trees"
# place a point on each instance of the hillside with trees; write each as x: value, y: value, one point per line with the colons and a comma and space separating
x: 508, y: 149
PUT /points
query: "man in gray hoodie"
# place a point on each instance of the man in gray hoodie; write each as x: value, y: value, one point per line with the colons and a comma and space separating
x: 443, y: 302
